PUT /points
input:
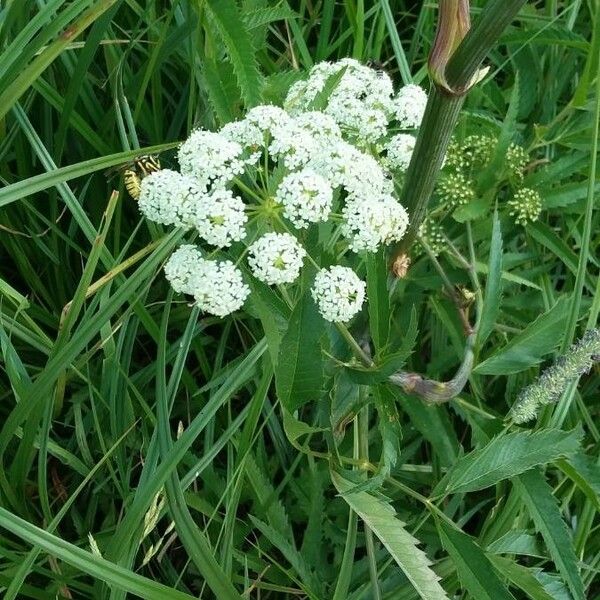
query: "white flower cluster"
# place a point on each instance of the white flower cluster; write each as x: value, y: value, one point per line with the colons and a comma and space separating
x: 276, y: 258
x: 306, y: 198
x: 362, y: 101
x: 329, y: 155
x: 368, y: 225
x: 409, y: 106
x: 217, y: 286
x: 211, y: 158
x: 169, y: 198
x: 220, y: 218
x: 339, y: 293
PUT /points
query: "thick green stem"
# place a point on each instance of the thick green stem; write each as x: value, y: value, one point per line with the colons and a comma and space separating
x: 438, y: 124
x: 443, y: 110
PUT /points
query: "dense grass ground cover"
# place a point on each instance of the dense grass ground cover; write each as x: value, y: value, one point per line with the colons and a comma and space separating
x: 143, y: 447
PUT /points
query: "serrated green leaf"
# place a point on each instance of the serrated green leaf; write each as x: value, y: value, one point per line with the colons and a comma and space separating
x: 542, y: 506
x: 433, y: 424
x: 222, y: 89
x: 294, y: 428
x: 273, y: 313
x: 493, y: 285
x: 346, y: 400
x: 474, y: 569
x: 516, y: 542
x: 266, y: 15
x: 476, y: 209
x: 233, y: 32
x: 507, y: 456
x: 299, y: 371
x: 381, y: 518
x: 529, y: 347
x: 389, y: 363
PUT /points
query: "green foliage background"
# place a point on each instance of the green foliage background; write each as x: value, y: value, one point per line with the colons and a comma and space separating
x: 124, y: 411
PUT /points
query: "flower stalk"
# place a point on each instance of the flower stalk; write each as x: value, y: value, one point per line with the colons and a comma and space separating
x: 454, y: 66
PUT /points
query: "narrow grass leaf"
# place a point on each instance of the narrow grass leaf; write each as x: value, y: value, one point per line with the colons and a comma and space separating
x: 585, y: 473
x: 522, y: 577
x: 293, y: 556
x: 27, y: 76
x: 87, y: 562
x: 192, y: 537
x: 493, y: 285
x: 27, y: 187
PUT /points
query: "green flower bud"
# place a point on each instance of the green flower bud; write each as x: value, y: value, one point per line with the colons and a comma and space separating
x: 455, y: 190
x: 431, y: 234
x: 525, y: 206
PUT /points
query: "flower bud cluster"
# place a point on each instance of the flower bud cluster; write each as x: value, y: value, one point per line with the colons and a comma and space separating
x: 525, y: 206
x: 455, y: 190
x: 466, y: 160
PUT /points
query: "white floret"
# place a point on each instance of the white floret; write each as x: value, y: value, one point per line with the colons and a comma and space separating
x: 339, y: 293
x: 276, y: 258
x: 306, y: 198
x: 169, y: 198
x: 370, y: 224
x: 399, y: 151
x: 409, y: 105
x: 182, y: 267
x: 293, y: 145
x: 218, y: 287
x: 220, y: 218
x: 365, y: 177
x: 211, y: 158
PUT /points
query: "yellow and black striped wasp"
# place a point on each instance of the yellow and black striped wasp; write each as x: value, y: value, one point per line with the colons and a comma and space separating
x: 136, y: 170
x: 134, y: 173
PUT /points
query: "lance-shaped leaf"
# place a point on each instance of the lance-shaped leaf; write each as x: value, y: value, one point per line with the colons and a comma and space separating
x: 507, y: 456
x: 381, y: 518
